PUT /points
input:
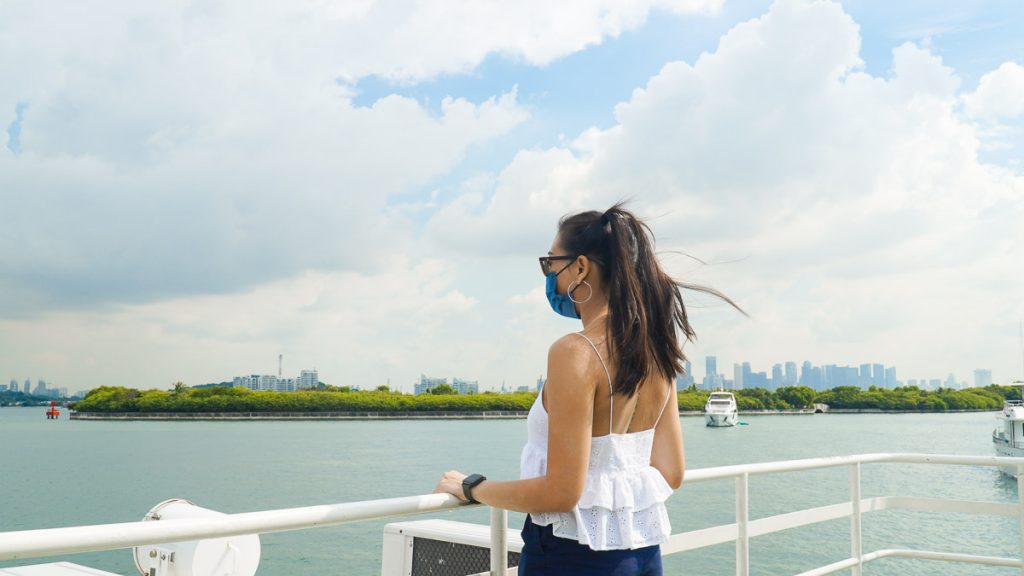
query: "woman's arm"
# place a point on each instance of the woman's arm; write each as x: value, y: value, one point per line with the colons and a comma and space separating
x: 667, y: 454
x: 569, y: 400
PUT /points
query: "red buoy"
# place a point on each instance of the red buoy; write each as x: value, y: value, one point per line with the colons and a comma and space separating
x: 53, y: 413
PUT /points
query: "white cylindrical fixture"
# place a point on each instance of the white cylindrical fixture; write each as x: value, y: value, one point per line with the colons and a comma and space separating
x: 232, y: 556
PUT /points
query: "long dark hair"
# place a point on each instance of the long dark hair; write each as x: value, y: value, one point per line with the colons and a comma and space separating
x: 646, y: 312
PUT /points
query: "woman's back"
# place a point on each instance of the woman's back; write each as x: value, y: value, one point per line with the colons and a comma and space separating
x: 622, y: 503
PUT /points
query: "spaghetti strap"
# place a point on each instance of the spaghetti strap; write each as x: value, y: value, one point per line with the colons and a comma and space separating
x: 611, y: 393
x: 663, y: 406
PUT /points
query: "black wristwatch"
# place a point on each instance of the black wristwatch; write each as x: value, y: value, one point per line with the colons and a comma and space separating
x: 470, y: 482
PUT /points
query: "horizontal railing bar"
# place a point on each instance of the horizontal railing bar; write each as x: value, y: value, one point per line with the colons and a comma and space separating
x: 702, y: 538
x: 937, y: 505
x: 51, y: 541
x: 722, y: 472
x: 831, y: 568
x: 945, y: 557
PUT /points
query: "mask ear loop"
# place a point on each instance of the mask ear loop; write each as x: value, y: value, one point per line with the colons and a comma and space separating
x: 578, y: 284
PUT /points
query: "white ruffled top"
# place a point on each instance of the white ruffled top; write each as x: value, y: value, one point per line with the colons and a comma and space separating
x: 623, y: 501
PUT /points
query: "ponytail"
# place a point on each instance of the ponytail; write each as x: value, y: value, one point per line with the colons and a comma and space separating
x: 646, y: 313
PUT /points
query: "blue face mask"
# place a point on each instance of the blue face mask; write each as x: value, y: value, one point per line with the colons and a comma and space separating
x: 559, y: 302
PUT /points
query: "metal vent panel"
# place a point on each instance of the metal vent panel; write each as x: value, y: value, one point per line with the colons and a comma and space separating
x: 437, y: 558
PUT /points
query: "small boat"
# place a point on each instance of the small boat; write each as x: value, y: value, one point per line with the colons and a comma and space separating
x: 721, y: 410
x: 1008, y: 437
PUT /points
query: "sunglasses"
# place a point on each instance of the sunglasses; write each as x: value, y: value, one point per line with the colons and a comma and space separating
x: 545, y: 263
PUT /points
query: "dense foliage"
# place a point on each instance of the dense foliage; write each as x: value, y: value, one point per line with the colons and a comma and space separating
x: 224, y: 399
x: 343, y: 399
x: 853, y: 398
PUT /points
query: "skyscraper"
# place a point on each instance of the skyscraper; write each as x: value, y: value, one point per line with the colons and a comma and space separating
x: 982, y: 378
x: 737, y: 377
x: 710, y: 372
x: 805, y: 373
x: 777, y: 380
x: 890, y: 377
x: 685, y: 380
x: 790, y: 373
x: 864, y: 378
x: 28, y: 386
x: 878, y: 375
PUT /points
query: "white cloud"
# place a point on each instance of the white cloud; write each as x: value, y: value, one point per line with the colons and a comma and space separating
x: 1000, y: 94
x: 853, y: 208
x: 345, y: 324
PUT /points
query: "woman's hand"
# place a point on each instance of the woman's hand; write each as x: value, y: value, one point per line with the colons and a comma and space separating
x: 451, y: 482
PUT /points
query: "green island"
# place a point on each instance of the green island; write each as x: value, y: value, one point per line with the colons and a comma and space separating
x: 222, y: 399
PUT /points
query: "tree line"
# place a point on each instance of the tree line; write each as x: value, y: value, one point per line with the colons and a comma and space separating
x: 854, y: 398
x: 343, y: 399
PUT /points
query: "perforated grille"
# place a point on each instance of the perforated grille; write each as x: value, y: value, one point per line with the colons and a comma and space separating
x: 437, y: 558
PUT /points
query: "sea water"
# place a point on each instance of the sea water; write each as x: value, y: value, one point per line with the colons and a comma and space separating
x: 65, y: 473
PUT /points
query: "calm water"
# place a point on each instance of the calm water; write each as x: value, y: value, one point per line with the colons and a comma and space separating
x: 60, y: 473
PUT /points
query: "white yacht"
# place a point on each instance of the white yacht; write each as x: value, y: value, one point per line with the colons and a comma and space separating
x: 1008, y: 437
x: 721, y: 410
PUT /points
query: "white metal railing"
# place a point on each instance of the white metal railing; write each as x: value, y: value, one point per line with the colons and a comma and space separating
x: 56, y: 541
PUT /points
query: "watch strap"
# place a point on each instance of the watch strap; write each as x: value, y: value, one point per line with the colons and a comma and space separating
x: 468, y: 483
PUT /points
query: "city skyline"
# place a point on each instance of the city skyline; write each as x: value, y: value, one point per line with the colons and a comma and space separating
x: 788, y: 371
x: 368, y: 194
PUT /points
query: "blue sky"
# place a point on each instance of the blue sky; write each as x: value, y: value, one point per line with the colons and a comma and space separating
x: 194, y: 191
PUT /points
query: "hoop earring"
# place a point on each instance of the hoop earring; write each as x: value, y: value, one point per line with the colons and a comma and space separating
x: 570, y: 290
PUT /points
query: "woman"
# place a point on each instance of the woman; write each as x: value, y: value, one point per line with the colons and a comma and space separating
x: 604, y: 448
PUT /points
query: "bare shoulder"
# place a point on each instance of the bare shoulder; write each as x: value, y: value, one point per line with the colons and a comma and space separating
x: 570, y: 348
x: 569, y: 359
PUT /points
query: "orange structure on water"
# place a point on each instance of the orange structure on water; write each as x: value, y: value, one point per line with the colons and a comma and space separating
x: 53, y: 413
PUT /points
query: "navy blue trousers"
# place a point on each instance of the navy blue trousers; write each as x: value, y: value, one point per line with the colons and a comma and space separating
x: 545, y: 554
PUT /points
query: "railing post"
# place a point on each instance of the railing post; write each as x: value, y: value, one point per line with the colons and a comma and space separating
x: 1020, y: 509
x: 855, y: 541
x: 499, y: 542
x: 742, y: 517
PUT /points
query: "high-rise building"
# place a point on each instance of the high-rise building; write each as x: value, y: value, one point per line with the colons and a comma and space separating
x: 14, y: 385
x: 737, y: 377
x: 711, y: 372
x: 28, y: 386
x: 427, y: 384
x: 777, y: 378
x: 864, y: 377
x: 982, y: 378
x: 950, y: 381
x: 890, y: 377
x: 805, y: 374
x: 685, y: 380
x: 790, y: 373
x: 540, y: 382
x: 465, y: 386
x: 307, y: 379
x: 878, y: 375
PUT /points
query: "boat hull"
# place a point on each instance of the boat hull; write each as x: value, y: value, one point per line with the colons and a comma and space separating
x: 720, y: 420
x: 1004, y: 449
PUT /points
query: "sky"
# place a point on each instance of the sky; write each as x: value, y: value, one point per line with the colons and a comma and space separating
x: 189, y: 189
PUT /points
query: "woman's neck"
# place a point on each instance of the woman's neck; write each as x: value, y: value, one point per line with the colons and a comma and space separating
x: 594, y: 318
